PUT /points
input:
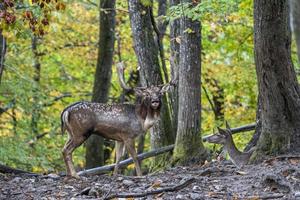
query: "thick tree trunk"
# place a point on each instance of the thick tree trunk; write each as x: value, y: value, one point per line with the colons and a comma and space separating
x: 189, y: 147
x: 295, y: 19
x: 2, y: 53
x: 257, y: 132
x: 94, y: 145
x: 147, y: 55
x: 174, y: 61
x: 277, y: 83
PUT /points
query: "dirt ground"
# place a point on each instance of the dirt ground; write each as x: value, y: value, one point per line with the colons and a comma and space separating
x: 276, y: 178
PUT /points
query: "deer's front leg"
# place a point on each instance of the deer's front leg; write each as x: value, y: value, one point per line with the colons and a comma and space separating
x: 120, y: 152
x: 129, y: 143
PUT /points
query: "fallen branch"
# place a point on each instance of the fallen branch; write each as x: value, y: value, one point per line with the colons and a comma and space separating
x: 158, y: 191
x: 248, y: 127
x: 5, y: 169
x: 99, y: 170
x: 152, y: 153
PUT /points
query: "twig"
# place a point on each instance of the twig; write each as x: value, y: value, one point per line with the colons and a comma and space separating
x: 282, y: 157
x: 106, y: 195
x: 158, y: 191
x: 209, y: 100
x: 267, y: 196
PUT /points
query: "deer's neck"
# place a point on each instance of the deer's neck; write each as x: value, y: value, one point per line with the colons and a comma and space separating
x: 147, y: 115
x: 237, y: 157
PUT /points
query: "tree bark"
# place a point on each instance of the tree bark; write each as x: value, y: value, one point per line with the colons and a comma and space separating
x: 277, y: 82
x: 147, y: 55
x: 257, y: 132
x: 174, y: 62
x: 189, y: 147
x: 2, y: 53
x: 295, y: 19
x: 94, y: 145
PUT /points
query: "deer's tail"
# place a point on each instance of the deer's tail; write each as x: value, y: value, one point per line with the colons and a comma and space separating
x: 64, y: 117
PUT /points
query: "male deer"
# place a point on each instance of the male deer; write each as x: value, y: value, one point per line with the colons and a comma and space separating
x: 119, y: 122
x: 224, y: 137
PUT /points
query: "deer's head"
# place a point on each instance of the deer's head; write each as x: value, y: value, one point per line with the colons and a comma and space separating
x: 222, y: 137
x: 149, y: 96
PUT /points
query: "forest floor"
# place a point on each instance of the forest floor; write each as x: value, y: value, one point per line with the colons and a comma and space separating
x: 276, y: 178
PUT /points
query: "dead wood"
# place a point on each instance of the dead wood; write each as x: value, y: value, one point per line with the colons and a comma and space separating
x: 248, y: 127
x: 267, y: 196
x: 158, y: 191
x: 6, y: 169
x: 103, y: 169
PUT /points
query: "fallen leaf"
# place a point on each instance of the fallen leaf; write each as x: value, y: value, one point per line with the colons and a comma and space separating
x: 156, y: 183
x: 294, y: 161
x: 241, y: 172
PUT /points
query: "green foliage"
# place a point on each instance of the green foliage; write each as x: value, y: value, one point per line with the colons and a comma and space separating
x: 147, y: 2
x: 202, y: 10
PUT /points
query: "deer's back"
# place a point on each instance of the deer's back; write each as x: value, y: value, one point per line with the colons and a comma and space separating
x: 113, y: 121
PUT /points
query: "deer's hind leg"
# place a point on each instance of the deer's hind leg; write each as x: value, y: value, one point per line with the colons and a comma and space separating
x: 68, y: 149
x: 120, y: 153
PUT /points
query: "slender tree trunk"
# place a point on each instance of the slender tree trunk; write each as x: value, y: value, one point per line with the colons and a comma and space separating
x: 35, y: 115
x: 94, y: 145
x: 162, y: 11
x: 277, y: 82
x: 295, y: 19
x: 217, y: 102
x: 147, y: 55
x: 174, y: 61
x: 189, y: 147
x: 2, y: 53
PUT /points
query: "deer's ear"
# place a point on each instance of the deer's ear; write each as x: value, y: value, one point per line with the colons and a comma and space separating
x: 221, y: 131
x: 165, y: 88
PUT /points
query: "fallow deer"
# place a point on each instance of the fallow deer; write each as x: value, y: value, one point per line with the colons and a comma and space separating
x: 224, y: 137
x: 119, y: 122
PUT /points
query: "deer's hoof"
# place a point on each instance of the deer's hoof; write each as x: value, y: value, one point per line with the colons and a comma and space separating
x: 71, y: 177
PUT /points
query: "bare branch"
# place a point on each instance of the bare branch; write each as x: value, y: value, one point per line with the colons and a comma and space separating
x: 183, y: 184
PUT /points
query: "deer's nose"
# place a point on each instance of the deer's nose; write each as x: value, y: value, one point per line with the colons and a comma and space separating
x: 155, y: 103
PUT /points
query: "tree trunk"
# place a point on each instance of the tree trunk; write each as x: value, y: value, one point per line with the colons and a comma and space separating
x: 189, y: 147
x: 174, y: 62
x: 35, y: 115
x: 295, y: 18
x: 147, y: 55
x: 94, y: 145
x: 257, y: 132
x: 277, y: 82
x: 2, y: 53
